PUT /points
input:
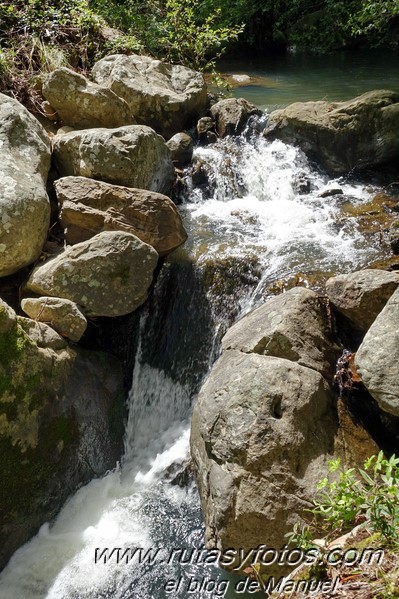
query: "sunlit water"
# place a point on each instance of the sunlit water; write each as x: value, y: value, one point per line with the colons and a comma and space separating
x: 253, y: 209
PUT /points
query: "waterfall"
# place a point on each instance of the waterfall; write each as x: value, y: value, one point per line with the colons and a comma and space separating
x: 255, y: 216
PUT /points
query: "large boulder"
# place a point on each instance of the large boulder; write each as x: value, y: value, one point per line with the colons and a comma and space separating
x: 262, y: 431
x: 24, y: 165
x: 166, y: 97
x: 62, y: 315
x: 82, y: 104
x: 294, y: 325
x: 342, y: 136
x: 134, y: 156
x: 232, y: 114
x: 89, y: 207
x: 360, y: 296
x: 108, y: 275
x: 59, y: 424
x: 378, y: 357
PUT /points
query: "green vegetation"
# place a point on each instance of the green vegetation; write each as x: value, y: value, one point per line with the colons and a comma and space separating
x: 36, y: 37
x: 369, y: 496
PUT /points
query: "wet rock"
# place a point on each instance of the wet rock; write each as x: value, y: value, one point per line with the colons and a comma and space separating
x: 262, y: 431
x: 231, y: 115
x: 59, y: 424
x: 294, y: 325
x: 342, y: 136
x: 166, y: 97
x: 24, y: 166
x: 394, y: 237
x: 108, y: 275
x: 301, y: 183
x: 62, y: 315
x: 331, y: 191
x: 181, y: 147
x: 360, y: 296
x: 83, y: 104
x: 377, y: 357
x: 89, y: 207
x: 134, y: 156
x: 205, y: 125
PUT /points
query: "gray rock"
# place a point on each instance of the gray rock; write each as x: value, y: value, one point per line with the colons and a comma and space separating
x: 181, y: 147
x: 83, y: 104
x: 378, y: 356
x: 231, y: 115
x: 62, y: 315
x: 89, y: 207
x: 24, y: 166
x: 109, y: 275
x: 394, y: 237
x: 361, y: 295
x: 166, y: 97
x: 58, y: 425
x: 294, y: 325
x: 134, y: 156
x: 262, y: 431
x: 205, y: 125
x: 342, y: 136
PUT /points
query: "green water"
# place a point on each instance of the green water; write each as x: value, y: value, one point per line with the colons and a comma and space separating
x: 293, y: 77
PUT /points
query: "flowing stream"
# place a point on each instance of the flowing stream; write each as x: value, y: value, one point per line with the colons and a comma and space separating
x: 252, y: 228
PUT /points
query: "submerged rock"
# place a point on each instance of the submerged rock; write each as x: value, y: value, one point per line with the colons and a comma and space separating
x: 62, y: 315
x: 24, y: 166
x: 360, y: 296
x: 378, y: 356
x: 82, y: 104
x: 232, y: 114
x: 134, y: 156
x: 59, y: 424
x: 342, y: 136
x: 89, y: 207
x: 167, y: 97
x: 109, y: 275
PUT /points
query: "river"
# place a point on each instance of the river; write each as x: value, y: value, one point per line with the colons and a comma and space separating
x: 251, y: 234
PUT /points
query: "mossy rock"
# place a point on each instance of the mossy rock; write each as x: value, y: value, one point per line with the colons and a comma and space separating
x: 60, y: 425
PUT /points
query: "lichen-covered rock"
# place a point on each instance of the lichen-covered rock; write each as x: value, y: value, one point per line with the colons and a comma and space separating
x: 89, y: 207
x: 360, y: 296
x: 378, y: 356
x: 62, y: 315
x: 166, y: 97
x: 262, y: 431
x: 83, y: 104
x: 59, y: 424
x: 24, y: 166
x: 294, y: 325
x: 181, y: 147
x: 342, y: 136
x: 108, y: 275
x: 232, y: 114
x: 134, y: 156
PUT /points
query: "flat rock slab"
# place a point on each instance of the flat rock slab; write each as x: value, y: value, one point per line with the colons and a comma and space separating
x: 89, y: 207
x: 24, y: 165
x: 167, y: 97
x: 62, y: 315
x: 109, y: 275
x: 134, y: 156
x: 377, y: 358
x: 342, y: 136
x: 360, y: 296
x: 82, y: 104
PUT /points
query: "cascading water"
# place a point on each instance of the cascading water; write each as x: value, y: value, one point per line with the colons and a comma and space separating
x: 242, y: 210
